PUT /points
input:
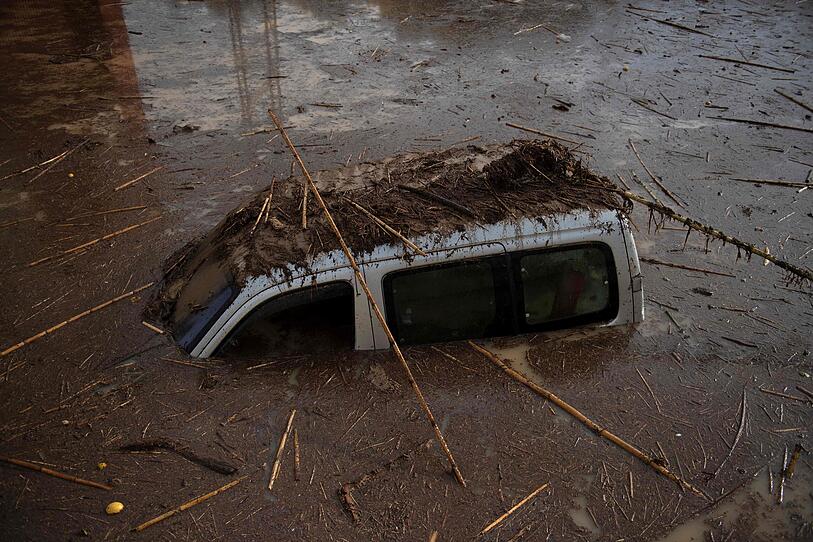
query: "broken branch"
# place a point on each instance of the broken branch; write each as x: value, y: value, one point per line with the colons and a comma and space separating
x: 736, y: 438
x: 712, y: 232
x: 379, y: 315
x: 278, y: 456
x: 593, y: 426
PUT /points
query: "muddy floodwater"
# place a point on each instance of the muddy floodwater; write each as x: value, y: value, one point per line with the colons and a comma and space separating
x: 129, y: 129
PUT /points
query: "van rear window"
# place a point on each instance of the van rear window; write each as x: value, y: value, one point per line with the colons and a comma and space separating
x: 502, y: 295
x: 572, y: 285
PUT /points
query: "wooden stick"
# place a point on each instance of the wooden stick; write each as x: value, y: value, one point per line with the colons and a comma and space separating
x: 514, y: 508
x: 531, y: 130
x: 266, y: 201
x: 736, y: 438
x: 772, y: 182
x: 652, y: 176
x: 129, y: 183
x: 97, y: 213
x: 93, y: 242
x: 57, y: 160
x: 278, y: 457
x: 431, y: 196
x: 56, y: 474
x: 73, y: 318
x: 712, y: 232
x: 768, y: 124
x: 379, y: 315
x: 593, y: 426
x: 296, y: 455
x: 653, y: 261
x: 387, y: 228
x: 794, y: 100
x: 747, y: 63
x: 305, y: 204
x: 785, y: 395
x: 153, y: 328
x: 188, y: 504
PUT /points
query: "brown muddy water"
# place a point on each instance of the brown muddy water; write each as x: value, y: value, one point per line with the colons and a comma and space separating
x: 125, y: 88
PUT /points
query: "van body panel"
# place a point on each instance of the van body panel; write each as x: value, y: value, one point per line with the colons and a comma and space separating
x: 606, y: 227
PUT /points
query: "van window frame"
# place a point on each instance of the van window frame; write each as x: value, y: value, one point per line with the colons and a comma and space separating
x: 240, y: 325
x: 510, y: 298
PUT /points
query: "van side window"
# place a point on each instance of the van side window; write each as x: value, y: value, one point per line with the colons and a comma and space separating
x: 317, y: 318
x: 566, y: 286
x: 448, y: 302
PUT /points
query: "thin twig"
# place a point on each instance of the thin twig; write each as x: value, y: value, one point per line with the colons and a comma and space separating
x: 537, y: 132
x: 374, y: 304
x: 278, y: 456
x: 73, y: 318
x: 794, y: 100
x: 652, y: 175
x: 514, y: 508
x: 129, y: 183
x: 736, y: 438
x: 653, y: 261
x: 93, y: 242
x: 768, y: 124
x: 387, y: 228
x: 747, y: 63
x: 57, y: 160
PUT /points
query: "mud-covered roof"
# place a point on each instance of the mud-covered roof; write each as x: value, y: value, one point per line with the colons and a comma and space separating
x: 439, y: 192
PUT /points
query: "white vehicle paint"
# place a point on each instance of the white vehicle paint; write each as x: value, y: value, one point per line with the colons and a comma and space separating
x: 606, y: 227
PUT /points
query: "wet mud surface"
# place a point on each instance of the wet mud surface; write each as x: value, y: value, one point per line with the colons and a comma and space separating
x: 167, y: 102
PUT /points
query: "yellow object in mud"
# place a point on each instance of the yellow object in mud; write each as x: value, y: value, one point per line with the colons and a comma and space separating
x: 102, y: 465
x: 114, y: 508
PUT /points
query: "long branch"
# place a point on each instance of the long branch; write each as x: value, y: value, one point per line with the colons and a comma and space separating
x: 379, y: 315
x: 713, y: 232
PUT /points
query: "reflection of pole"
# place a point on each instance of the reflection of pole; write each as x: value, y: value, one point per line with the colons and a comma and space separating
x: 122, y: 70
x: 272, y: 55
x: 239, y: 55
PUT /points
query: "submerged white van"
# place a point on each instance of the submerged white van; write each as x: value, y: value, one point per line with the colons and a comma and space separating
x: 523, y: 273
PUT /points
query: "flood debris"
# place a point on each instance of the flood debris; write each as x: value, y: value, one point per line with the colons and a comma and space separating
x: 79, y: 248
x: 514, y: 508
x: 275, y: 468
x: 376, y: 309
x: 656, y: 464
x: 345, y: 492
x: 736, y: 438
x: 131, y: 182
x: 182, y: 450
x: 74, y: 318
x: 56, y: 474
x: 189, y: 504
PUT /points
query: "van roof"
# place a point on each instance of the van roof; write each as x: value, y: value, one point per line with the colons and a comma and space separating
x: 418, y: 193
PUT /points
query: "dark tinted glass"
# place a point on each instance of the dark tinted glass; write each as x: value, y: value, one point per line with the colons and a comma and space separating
x: 313, y: 319
x: 563, y: 285
x: 445, y: 303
